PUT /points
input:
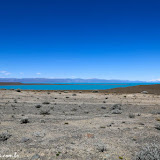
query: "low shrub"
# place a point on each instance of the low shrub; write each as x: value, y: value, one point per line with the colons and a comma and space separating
x: 149, y: 152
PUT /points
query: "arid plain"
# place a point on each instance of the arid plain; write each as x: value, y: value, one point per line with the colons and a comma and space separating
x: 77, y: 125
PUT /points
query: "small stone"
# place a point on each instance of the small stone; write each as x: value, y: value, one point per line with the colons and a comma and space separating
x: 157, y: 119
x: 38, y: 106
x: 45, y: 112
x: 18, y: 90
x: 24, y: 121
x: 39, y: 134
x: 116, y: 106
x: 86, y: 112
x: 131, y: 115
x: 116, y: 111
x: 101, y: 148
x: 35, y: 157
x: 103, y: 107
x: 95, y: 91
x: 13, y: 105
x: 24, y: 139
x: 52, y: 108
x: 89, y: 135
x: 157, y: 126
x: 74, y: 109
x: 144, y: 92
x: 42, y: 121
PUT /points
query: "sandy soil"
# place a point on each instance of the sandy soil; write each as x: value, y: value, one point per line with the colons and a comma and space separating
x: 52, y: 125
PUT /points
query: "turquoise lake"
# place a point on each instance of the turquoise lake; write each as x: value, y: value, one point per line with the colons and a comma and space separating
x: 96, y: 86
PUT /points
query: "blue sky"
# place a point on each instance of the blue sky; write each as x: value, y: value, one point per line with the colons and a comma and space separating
x: 109, y: 39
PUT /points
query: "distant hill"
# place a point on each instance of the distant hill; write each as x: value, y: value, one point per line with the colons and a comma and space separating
x: 65, y: 80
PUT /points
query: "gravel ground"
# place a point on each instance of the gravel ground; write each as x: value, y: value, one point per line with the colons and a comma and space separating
x: 56, y: 125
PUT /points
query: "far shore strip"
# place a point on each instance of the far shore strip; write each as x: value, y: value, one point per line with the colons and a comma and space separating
x: 18, y: 83
x: 151, y: 89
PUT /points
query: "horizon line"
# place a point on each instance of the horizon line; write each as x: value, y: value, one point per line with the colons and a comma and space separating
x: 158, y: 80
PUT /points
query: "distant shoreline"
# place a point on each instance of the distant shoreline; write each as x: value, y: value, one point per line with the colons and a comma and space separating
x: 151, y: 89
x: 18, y: 83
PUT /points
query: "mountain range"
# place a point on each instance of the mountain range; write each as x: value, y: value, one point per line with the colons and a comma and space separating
x: 65, y: 80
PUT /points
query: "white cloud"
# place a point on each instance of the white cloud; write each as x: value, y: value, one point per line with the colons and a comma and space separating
x: 155, y: 80
x: 5, y: 73
x: 38, y: 73
x: 21, y: 73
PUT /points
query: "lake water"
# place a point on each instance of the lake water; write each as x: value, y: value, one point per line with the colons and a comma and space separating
x: 96, y: 86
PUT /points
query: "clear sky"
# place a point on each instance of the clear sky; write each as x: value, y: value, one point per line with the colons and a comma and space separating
x: 109, y: 39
